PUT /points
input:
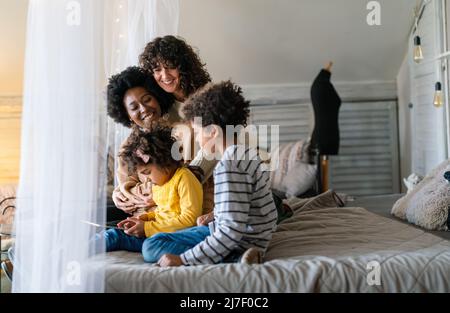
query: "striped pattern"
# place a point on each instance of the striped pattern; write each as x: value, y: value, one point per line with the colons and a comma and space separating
x: 368, y: 162
x: 245, y: 214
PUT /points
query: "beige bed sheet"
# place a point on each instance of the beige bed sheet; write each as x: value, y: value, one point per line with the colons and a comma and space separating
x: 322, y: 248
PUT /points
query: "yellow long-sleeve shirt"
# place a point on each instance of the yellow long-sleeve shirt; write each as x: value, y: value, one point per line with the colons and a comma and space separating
x: 179, y: 204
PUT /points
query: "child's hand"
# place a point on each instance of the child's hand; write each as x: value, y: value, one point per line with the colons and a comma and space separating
x: 204, y: 220
x: 125, y: 224
x: 143, y: 217
x: 134, y: 227
x: 170, y: 260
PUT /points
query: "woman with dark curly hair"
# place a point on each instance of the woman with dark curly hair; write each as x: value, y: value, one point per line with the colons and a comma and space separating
x: 178, y: 70
x: 175, y: 66
x: 134, y: 100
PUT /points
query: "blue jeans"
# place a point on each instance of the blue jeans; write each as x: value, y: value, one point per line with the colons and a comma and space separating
x: 176, y: 243
x: 116, y: 239
x: 154, y: 247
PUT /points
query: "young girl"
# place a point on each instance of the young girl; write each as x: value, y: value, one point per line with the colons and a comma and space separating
x: 176, y: 191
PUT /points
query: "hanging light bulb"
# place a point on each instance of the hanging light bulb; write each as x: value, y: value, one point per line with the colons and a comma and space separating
x: 438, y: 96
x: 418, y: 55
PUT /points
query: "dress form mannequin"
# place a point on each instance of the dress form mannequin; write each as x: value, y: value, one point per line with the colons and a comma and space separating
x: 325, y: 138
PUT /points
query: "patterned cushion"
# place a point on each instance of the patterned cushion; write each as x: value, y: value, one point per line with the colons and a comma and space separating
x: 427, y: 205
x: 291, y: 173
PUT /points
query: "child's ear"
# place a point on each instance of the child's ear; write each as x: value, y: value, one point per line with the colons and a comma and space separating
x: 215, y: 131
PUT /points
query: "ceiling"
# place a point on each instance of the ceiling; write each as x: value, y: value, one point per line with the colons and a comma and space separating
x: 263, y: 41
x: 287, y: 41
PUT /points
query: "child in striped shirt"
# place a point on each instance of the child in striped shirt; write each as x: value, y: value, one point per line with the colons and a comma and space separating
x: 244, y: 214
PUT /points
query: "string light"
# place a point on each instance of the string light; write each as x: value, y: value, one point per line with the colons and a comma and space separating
x: 438, y: 100
x: 418, y: 54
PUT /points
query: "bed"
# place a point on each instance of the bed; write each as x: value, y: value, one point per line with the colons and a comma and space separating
x: 324, y: 247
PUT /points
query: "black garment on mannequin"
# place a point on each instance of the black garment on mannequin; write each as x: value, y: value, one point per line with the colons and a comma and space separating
x: 326, y: 103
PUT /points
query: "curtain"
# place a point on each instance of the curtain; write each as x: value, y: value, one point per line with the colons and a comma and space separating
x: 72, y: 48
x: 129, y: 26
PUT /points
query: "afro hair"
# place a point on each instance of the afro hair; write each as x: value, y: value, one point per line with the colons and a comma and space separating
x: 130, y: 78
x: 220, y: 104
x: 156, y: 143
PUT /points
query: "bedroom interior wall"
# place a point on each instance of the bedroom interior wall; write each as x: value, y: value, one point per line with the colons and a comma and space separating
x: 12, y: 40
x: 427, y: 122
x: 293, y: 52
x: 367, y: 163
x: 404, y: 118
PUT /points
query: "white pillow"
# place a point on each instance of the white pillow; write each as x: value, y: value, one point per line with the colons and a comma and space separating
x: 299, y: 179
x: 427, y: 205
x: 290, y: 175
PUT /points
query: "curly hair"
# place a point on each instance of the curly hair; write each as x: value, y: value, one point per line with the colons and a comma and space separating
x: 221, y: 104
x: 156, y: 143
x: 133, y: 77
x: 174, y: 52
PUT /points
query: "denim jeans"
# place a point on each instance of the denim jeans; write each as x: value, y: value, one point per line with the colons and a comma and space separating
x: 154, y: 247
x: 174, y: 243
x: 116, y: 239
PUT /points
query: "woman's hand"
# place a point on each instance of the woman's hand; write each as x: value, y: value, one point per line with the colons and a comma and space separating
x: 123, y: 202
x: 143, y: 196
x: 205, y: 219
x: 133, y: 227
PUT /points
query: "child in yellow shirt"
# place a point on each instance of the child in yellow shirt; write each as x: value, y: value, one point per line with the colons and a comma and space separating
x: 177, y: 193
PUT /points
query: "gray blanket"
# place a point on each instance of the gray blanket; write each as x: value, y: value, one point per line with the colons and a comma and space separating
x: 322, y: 248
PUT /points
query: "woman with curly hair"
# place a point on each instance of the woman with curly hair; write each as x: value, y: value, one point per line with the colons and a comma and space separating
x: 134, y: 99
x: 175, y: 66
x: 178, y: 70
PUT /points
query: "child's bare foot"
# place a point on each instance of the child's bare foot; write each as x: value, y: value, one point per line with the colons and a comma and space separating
x: 251, y: 256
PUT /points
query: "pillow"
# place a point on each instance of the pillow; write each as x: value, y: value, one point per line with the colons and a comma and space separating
x: 427, y: 205
x: 290, y: 175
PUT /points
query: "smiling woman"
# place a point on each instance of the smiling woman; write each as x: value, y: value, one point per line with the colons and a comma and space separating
x: 175, y: 66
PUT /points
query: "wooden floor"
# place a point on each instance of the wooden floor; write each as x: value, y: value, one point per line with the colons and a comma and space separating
x: 10, y: 120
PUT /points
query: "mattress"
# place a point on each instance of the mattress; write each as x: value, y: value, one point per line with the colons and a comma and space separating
x: 323, y: 248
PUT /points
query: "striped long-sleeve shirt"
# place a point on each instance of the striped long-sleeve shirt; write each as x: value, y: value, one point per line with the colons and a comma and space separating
x: 244, y: 214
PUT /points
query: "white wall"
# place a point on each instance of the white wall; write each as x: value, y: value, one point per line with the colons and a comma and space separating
x: 422, y: 128
x: 404, y: 118
x: 262, y: 41
x: 287, y: 41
